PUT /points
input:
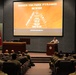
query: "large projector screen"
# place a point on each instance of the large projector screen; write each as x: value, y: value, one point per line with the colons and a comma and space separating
x: 38, y: 18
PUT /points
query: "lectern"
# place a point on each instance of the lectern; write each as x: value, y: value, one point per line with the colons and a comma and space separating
x: 51, y: 48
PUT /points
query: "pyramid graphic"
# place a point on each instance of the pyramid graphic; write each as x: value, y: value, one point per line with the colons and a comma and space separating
x: 36, y: 20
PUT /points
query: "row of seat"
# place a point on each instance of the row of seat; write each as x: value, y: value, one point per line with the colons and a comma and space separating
x: 62, y: 64
x: 12, y: 69
x: 64, y: 67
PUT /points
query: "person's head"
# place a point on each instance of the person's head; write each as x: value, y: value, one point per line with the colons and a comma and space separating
x: 12, y: 51
x: 54, y: 38
x: 14, y: 56
x: 56, y: 53
x: 19, y: 52
x: 67, y: 54
x: 6, y: 51
x: 60, y: 52
x: 23, y: 53
x: 26, y: 51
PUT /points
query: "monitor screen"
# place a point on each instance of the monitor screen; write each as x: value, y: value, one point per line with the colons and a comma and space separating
x: 38, y: 18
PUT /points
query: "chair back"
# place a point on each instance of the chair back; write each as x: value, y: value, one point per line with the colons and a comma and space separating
x: 65, y: 67
x: 11, y: 68
x: 23, y: 60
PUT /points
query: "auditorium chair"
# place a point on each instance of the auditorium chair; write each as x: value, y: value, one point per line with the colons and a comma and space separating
x: 65, y: 67
x: 25, y: 67
x: 23, y: 60
x: 11, y: 68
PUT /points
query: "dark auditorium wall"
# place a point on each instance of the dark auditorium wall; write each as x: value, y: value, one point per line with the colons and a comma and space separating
x: 1, y: 11
x: 38, y: 44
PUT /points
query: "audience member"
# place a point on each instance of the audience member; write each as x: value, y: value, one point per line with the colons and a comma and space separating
x: 26, y: 54
x: 17, y: 62
x: 14, y: 59
x: 1, y: 61
x: 29, y: 57
x: 23, y: 53
x: 60, y: 54
x: 74, y: 56
x: 19, y: 53
x: 22, y: 56
x: 23, y: 59
x: 6, y: 53
x: 1, y: 55
x: 12, y: 52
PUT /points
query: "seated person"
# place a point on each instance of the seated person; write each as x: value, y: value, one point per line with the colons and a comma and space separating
x: 6, y: 53
x: 14, y: 59
x: 22, y: 56
x: 17, y: 62
x: 68, y: 56
x: 74, y: 56
x: 24, y: 59
x: 54, y: 59
x: 19, y: 53
x: 60, y: 54
x: 12, y: 52
x: 1, y: 55
x: 1, y: 72
x: 1, y: 61
x: 28, y: 56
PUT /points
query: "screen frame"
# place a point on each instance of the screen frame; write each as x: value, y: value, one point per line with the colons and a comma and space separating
x: 41, y: 35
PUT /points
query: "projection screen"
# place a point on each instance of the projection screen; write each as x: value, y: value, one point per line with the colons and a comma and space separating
x: 38, y: 18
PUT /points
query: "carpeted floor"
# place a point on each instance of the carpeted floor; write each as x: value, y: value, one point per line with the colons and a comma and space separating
x: 39, y: 69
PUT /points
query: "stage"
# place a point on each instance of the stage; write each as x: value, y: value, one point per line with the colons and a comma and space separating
x: 39, y: 54
x: 40, y: 57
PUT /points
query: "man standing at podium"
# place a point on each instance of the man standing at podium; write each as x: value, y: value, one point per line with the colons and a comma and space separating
x: 55, y: 41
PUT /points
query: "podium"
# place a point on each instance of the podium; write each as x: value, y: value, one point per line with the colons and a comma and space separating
x: 51, y: 48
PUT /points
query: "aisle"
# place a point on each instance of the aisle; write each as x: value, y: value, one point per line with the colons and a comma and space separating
x: 39, y: 69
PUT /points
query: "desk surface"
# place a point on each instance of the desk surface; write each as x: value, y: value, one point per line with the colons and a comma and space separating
x: 51, y: 43
x: 14, y: 42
